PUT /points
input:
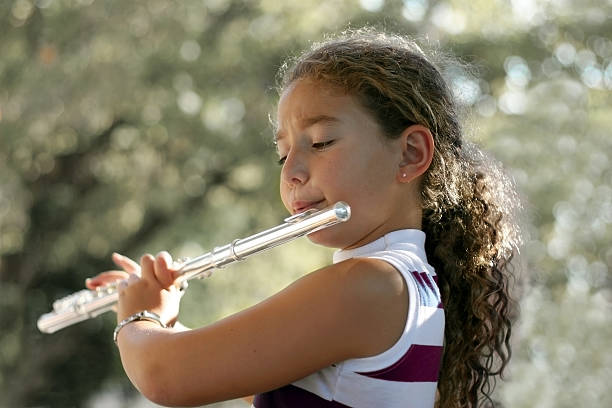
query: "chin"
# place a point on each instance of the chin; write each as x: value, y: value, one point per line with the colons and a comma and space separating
x: 326, y: 238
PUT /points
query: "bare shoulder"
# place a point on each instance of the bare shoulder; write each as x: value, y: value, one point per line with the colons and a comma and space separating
x: 370, y: 278
x: 372, y: 297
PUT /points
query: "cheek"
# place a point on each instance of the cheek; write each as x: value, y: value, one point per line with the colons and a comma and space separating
x: 371, y: 181
x: 339, y: 177
x: 284, y: 194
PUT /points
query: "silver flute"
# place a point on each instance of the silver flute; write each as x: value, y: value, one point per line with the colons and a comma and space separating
x: 86, y: 304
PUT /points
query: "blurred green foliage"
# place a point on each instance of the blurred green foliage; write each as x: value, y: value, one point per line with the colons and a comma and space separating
x: 140, y: 126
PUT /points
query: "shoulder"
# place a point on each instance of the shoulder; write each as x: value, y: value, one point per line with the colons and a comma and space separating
x: 357, y: 281
x: 367, y: 298
x: 366, y: 278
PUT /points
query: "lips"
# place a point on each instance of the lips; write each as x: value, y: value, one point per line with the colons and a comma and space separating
x: 304, y: 205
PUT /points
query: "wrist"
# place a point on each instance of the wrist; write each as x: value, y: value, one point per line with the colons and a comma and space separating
x: 144, y: 315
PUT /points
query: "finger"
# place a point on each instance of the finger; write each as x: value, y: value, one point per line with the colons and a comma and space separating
x: 164, y: 275
x: 105, y: 278
x: 147, y: 267
x: 126, y: 263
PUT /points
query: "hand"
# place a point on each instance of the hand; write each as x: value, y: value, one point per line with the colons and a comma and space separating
x: 154, y: 290
x: 150, y: 286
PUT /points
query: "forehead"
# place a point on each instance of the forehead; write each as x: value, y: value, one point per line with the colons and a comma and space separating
x: 306, y: 102
x: 305, y: 95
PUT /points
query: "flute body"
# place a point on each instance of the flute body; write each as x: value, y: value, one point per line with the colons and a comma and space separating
x: 86, y: 304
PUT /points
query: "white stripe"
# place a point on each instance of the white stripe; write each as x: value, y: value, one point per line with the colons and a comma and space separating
x: 430, y: 327
x: 321, y: 383
x: 359, y: 391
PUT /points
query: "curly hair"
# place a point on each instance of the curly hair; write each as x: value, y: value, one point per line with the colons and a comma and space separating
x: 468, y: 203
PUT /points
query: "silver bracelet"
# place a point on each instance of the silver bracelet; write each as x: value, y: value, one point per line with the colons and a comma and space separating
x: 144, y: 315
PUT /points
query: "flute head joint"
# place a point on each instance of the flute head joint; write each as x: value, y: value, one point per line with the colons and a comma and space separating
x: 300, y: 216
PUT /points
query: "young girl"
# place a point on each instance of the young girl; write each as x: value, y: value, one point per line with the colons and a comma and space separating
x: 366, y: 118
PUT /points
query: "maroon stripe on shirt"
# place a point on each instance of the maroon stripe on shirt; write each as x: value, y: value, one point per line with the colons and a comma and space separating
x: 435, y: 279
x: 432, y: 284
x: 291, y: 396
x: 420, y: 364
x: 428, y: 289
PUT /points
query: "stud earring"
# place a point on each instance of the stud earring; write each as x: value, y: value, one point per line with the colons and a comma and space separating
x: 404, y: 175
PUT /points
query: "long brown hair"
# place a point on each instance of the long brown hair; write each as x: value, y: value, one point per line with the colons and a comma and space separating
x: 468, y: 202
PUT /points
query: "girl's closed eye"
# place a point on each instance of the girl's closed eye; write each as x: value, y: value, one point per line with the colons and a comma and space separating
x: 281, y: 154
x: 319, y: 146
x: 322, y: 145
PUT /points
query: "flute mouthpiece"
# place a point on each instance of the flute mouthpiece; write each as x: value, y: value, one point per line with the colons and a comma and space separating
x: 343, y: 211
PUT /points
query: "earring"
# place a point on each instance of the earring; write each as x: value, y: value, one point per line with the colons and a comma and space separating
x: 404, y: 175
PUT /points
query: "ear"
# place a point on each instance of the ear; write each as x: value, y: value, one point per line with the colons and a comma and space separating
x: 417, y: 146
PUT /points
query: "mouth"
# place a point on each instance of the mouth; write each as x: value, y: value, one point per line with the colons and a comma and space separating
x: 301, y: 206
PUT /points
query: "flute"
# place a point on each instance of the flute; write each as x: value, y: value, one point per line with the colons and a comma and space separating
x: 86, y: 304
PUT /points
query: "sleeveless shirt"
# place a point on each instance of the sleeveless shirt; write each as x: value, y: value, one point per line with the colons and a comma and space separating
x: 405, y: 375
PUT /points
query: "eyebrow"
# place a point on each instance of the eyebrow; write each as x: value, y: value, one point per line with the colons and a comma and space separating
x: 310, y: 121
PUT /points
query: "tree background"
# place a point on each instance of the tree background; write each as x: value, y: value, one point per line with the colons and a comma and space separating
x: 137, y: 126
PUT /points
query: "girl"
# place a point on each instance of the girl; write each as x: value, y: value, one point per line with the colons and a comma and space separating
x: 366, y: 118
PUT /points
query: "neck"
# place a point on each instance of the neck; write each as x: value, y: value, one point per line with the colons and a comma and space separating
x: 408, y: 217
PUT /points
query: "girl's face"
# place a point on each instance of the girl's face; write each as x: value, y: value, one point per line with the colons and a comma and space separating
x: 331, y: 149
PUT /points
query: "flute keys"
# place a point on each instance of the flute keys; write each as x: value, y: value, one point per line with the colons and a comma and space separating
x: 71, y: 301
x: 106, y: 289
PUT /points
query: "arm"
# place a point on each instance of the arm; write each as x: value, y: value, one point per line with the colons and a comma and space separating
x: 353, y: 309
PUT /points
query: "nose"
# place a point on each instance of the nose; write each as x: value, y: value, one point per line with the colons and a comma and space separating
x: 295, y: 169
